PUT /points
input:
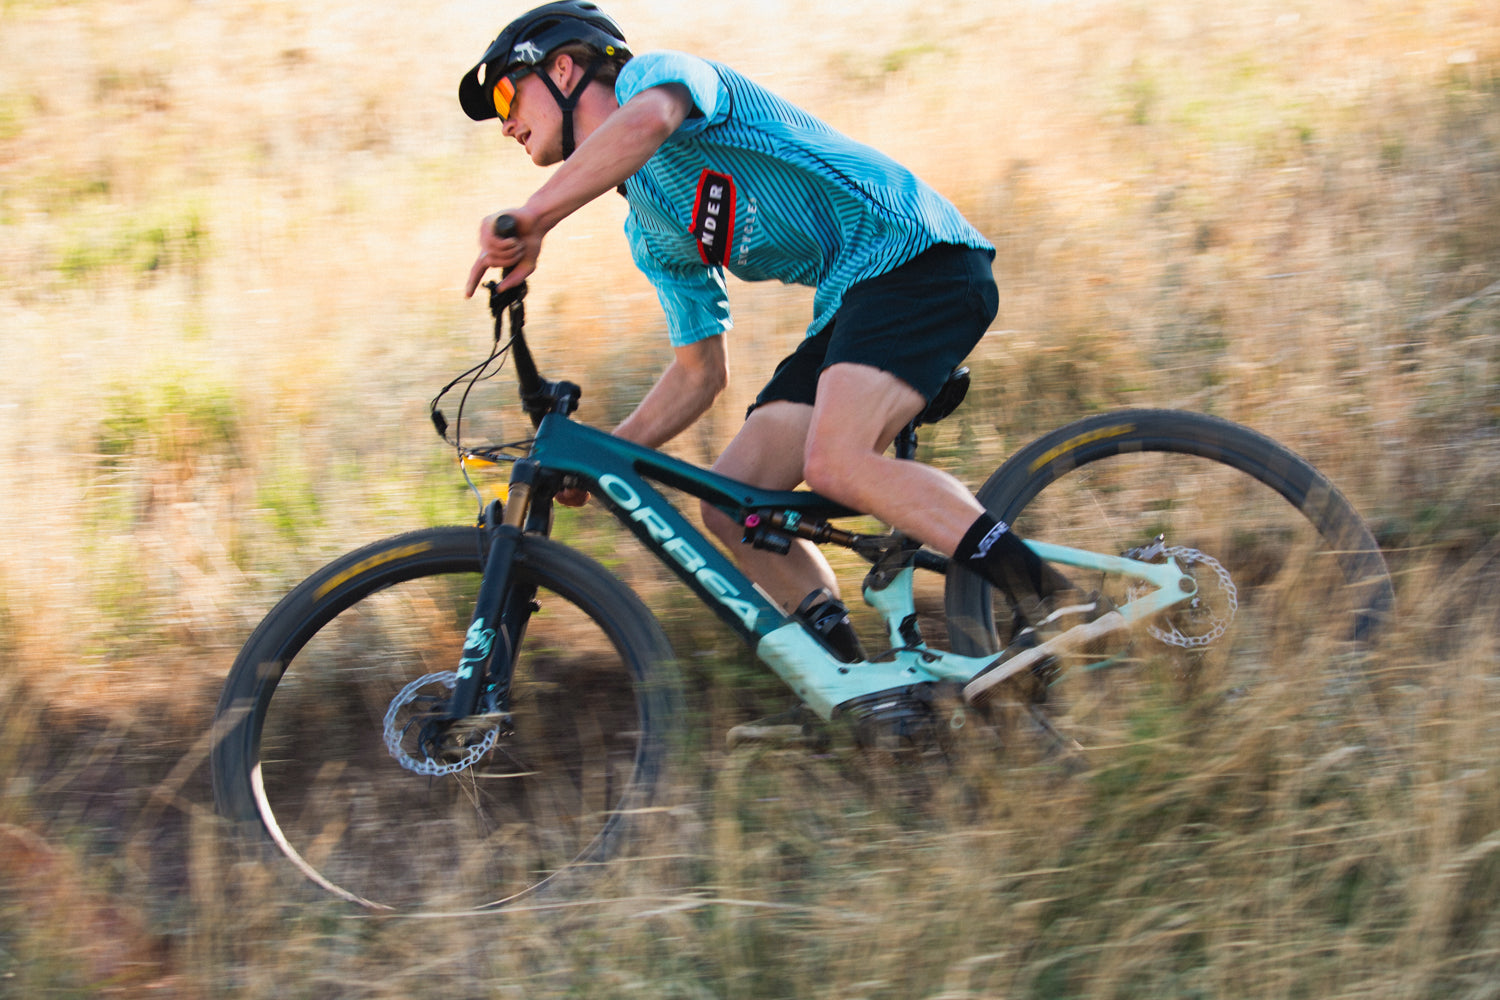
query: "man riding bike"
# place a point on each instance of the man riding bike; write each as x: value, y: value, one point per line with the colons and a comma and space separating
x: 722, y: 175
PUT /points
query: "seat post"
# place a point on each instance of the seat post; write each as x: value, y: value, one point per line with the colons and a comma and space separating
x: 949, y: 395
x: 906, y: 441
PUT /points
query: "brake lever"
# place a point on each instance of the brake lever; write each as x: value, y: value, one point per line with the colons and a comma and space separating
x: 501, y: 301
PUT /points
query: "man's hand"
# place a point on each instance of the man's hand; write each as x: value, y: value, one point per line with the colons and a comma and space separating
x: 519, y: 252
x: 572, y: 497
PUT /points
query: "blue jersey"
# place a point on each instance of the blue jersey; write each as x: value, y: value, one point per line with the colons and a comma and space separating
x: 753, y: 185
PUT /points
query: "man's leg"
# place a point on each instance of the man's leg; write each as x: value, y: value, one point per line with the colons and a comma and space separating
x: 767, y: 453
x: 838, y: 447
x: 859, y: 411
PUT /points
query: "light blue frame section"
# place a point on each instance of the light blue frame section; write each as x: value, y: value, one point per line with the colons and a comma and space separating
x: 824, y: 682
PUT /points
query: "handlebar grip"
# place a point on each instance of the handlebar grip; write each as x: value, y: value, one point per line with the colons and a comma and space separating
x: 533, y: 386
x: 504, y: 228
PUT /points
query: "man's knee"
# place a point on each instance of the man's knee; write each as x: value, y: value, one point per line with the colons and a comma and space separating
x: 828, y: 470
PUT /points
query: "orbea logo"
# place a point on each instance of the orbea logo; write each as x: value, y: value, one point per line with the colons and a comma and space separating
x: 477, y: 645
x: 678, y: 548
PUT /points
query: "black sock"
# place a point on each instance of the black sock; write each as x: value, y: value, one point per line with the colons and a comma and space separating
x: 992, y: 550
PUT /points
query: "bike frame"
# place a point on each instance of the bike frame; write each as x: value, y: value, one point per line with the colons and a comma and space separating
x: 624, y: 475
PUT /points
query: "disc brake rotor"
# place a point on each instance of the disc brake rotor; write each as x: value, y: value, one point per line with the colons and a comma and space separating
x: 1205, y: 618
x: 407, y: 725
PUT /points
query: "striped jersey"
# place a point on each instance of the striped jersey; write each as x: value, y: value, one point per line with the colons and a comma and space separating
x: 753, y: 185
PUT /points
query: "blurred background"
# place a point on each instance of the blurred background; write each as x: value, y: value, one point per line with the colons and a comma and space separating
x: 233, y: 239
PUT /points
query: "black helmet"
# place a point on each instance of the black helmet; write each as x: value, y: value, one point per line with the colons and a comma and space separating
x: 530, y: 38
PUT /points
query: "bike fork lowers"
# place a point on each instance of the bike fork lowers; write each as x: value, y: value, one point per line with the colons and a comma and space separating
x: 501, y: 611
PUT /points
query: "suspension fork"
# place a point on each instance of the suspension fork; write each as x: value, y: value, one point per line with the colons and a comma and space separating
x: 502, y: 608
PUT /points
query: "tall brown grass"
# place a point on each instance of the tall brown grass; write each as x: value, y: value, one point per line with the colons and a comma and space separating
x: 232, y: 239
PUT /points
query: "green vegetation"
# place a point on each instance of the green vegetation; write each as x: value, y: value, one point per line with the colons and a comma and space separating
x: 140, y: 247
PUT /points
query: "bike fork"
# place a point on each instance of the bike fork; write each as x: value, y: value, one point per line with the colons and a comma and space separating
x: 501, y: 612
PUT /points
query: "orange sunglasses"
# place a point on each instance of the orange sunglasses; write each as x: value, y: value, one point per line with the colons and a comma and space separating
x: 504, y: 91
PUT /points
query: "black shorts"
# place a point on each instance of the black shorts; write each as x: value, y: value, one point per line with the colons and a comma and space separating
x: 917, y: 322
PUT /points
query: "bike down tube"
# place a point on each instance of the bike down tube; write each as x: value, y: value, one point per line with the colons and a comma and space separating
x: 613, y: 469
x: 617, y: 470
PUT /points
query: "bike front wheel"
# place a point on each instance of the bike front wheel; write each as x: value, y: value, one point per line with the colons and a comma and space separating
x: 309, y: 728
x: 1280, y: 556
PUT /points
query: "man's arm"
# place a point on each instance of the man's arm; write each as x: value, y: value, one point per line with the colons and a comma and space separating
x: 698, y: 373
x: 696, y: 376
x: 610, y: 155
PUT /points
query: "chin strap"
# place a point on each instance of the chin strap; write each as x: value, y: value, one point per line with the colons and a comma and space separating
x: 569, y: 102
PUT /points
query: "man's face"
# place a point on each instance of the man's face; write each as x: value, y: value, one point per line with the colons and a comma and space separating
x: 536, y: 121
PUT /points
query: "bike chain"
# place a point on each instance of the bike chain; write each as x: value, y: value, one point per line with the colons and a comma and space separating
x: 428, y: 766
x: 1187, y: 557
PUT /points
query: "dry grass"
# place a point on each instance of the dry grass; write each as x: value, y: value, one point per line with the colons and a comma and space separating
x: 232, y: 238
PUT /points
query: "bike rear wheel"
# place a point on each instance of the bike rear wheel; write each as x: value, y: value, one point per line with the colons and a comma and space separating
x: 1280, y: 556
x: 301, y: 748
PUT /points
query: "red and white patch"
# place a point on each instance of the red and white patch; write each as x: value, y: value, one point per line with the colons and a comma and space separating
x: 713, y: 217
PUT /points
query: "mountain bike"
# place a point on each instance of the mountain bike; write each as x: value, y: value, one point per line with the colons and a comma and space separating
x: 470, y: 714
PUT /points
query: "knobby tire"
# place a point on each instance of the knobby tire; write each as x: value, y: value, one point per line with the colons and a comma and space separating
x: 299, y: 752
x: 1305, y: 565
